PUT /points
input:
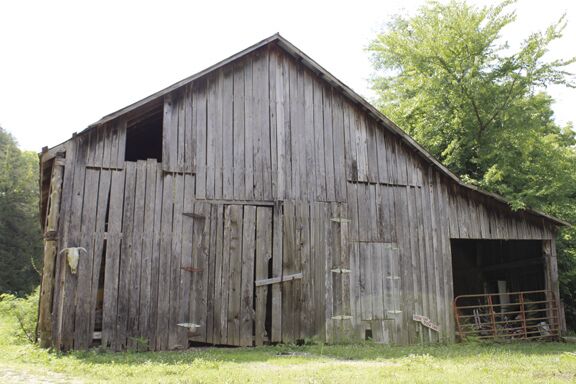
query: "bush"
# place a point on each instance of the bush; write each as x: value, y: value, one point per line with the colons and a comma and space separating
x: 19, y: 315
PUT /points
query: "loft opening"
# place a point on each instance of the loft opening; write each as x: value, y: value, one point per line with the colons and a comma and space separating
x: 144, y: 136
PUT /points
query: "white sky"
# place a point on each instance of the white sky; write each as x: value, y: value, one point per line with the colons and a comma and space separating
x: 65, y: 64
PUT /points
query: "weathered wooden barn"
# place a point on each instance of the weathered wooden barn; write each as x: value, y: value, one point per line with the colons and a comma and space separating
x: 263, y: 201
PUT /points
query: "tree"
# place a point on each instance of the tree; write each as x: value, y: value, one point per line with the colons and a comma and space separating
x: 447, y: 78
x: 20, y: 239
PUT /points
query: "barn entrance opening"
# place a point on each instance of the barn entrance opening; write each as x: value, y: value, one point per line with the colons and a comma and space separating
x: 497, y: 266
x: 500, y: 290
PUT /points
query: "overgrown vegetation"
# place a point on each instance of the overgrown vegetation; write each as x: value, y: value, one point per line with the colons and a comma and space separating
x: 19, y: 316
x: 447, y: 76
x: 20, y: 237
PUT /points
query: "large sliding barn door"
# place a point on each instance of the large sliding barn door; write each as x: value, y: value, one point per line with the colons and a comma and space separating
x: 231, y: 248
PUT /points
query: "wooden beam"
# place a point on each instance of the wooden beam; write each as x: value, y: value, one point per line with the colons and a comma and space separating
x: 282, y: 279
x: 50, y: 251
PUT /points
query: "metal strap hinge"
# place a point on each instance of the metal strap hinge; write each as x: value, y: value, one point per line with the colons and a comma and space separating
x: 340, y: 270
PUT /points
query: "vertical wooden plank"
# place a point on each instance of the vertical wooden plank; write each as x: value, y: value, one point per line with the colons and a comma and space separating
x: 107, y: 142
x: 155, y: 257
x: 329, y: 145
x: 165, y: 256
x: 111, y: 272
x: 263, y: 256
x: 218, y: 274
x: 280, y: 105
x: 201, y: 242
x: 272, y: 110
x: 147, y: 250
x: 227, y: 137
x: 365, y: 259
x: 169, y: 138
x: 136, y: 255
x: 211, y: 284
x: 99, y: 246
x: 318, y: 128
x: 125, y: 254
x: 309, y: 139
x: 287, y: 131
x: 263, y: 162
x: 350, y: 142
x: 64, y: 290
x: 235, y: 274
x: 249, y: 130
x: 239, y: 120
x: 176, y: 263
x: 361, y: 145
x: 184, y: 290
x: 200, y: 127
x: 296, y: 127
x: 372, y: 152
x: 247, y: 285
x: 276, y: 326
x: 82, y: 333
x: 307, y: 308
x: 227, y: 251
x: 181, y: 129
x: 189, y: 131
x: 339, y: 150
x: 288, y: 267
x: 213, y: 119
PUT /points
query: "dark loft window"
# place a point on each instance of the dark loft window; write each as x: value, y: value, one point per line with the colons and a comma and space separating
x: 144, y: 137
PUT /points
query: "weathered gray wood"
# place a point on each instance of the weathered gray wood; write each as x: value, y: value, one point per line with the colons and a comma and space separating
x: 235, y: 274
x: 227, y: 137
x: 210, y: 299
x: 186, y: 261
x: 99, y: 246
x: 136, y: 256
x: 288, y: 267
x: 50, y: 252
x: 155, y: 262
x: 306, y: 305
x: 165, y: 255
x: 263, y: 256
x: 82, y: 333
x: 111, y: 272
x: 201, y: 242
x: 318, y: 129
x: 200, y: 151
x: 249, y: 130
x: 190, y: 137
x: 276, y: 326
x: 238, y: 127
x: 261, y: 91
x: 339, y: 148
x: 169, y: 134
x: 329, y: 145
x: 247, y: 285
x: 147, y: 253
x: 176, y: 264
x: 218, y: 273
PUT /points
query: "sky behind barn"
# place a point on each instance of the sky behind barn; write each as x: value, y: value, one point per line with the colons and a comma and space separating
x: 65, y: 64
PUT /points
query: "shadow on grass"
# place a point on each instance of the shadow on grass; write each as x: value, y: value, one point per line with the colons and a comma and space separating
x: 307, y: 353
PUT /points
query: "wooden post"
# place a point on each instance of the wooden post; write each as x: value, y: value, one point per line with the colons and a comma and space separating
x: 551, y: 279
x: 50, y: 251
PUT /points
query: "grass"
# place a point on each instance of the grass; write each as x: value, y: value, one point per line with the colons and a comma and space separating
x: 369, y: 362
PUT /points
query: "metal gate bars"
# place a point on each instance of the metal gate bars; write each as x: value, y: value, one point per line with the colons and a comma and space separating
x: 506, y: 316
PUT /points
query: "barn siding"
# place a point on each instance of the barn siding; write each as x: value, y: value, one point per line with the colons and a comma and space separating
x: 263, y: 162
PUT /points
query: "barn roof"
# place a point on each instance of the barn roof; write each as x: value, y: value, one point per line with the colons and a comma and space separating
x: 344, y: 89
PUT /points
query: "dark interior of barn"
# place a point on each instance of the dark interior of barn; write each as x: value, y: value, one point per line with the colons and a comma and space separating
x: 497, y: 266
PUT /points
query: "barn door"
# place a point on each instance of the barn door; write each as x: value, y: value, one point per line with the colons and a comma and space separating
x: 231, y: 249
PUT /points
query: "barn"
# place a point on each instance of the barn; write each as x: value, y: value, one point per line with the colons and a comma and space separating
x: 263, y: 201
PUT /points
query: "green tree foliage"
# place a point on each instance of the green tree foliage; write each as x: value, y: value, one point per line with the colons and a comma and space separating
x: 446, y: 76
x: 20, y: 238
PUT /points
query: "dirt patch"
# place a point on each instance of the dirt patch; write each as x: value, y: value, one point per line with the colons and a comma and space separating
x: 17, y: 376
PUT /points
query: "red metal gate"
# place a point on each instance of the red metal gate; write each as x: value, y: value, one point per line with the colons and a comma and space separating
x: 513, y: 315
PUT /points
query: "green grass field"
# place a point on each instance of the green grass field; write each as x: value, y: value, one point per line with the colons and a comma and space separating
x: 366, y: 363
